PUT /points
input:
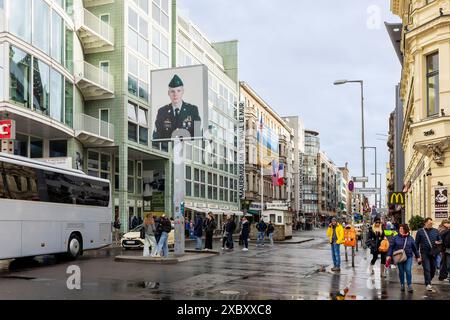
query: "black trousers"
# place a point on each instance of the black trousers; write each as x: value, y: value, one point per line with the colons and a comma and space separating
x: 443, y: 274
x: 375, y: 258
x: 208, y: 240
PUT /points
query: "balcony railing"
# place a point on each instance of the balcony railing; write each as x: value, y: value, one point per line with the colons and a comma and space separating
x: 96, y: 35
x: 93, y: 3
x: 93, y: 130
x: 93, y: 82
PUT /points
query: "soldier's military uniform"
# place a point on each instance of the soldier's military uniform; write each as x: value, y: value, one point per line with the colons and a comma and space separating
x: 170, y: 119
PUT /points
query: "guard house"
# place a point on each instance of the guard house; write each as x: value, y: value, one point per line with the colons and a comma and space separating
x: 281, y: 217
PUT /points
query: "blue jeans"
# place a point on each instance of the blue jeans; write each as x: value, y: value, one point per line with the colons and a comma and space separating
x: 260, y: 239
x: 198, y: 241
x: 245, y: 241
x: 336, y: 254
x: 405, y: 267
x: 163, y: 245
x: 271, y: 238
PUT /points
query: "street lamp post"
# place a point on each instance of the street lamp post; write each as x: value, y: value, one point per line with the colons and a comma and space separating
x: 380, y: 175
x: 361, y: 82
x: 375, y: 148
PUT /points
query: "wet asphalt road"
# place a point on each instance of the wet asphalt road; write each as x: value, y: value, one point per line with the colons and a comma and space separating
x: 283, y: 272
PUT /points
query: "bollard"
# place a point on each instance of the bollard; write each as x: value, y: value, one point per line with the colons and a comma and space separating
x: 353, y: 257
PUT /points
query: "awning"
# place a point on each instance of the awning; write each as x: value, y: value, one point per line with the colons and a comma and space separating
x: 202, y: 210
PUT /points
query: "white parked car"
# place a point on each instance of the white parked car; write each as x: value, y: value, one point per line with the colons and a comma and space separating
x: 132, y: 239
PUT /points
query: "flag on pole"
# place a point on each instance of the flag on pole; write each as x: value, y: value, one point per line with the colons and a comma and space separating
x: 274, y: 173
x: 280, y: 175
x: 261, y: 124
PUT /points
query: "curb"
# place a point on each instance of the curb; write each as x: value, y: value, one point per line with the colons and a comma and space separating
x: 148, y: 260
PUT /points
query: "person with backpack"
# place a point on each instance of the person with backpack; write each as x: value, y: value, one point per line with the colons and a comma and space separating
x: 401, y: 252
x: 245, y: 231
x: 270, y: 231
x: 261, y: 226
x: 376, y: 236
x: 163, y: 246
x: 210, y: 226
x: 427, y: 241
x: 444, y: 231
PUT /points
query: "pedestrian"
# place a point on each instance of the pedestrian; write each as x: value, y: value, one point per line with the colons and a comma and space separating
x: 163, y: 247
x: 245, y: 231
x: 444, y: 232
x: 117, y: 226
x: 376, y: 236
x: 150, y: 240
x: 390, y: 233
x: 224, y: 234
x: 134, y: 221
x: 404, y: 243
x: 210, y: 226
x: 198, y: 231
x: 270, y: 231
x: 158, y: 228
x: 191, y: 230
x: 231, y: 226
x: 261, y: 226
x: 427, y: 241
x: 335, y: 233
x: 187, y: 227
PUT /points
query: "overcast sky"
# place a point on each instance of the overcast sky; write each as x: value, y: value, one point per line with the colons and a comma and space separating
x: 291, y: 52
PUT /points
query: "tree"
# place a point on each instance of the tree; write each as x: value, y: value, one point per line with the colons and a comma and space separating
x: 416, y: 222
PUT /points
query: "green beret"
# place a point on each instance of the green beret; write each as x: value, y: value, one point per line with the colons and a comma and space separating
x: 176, y: 82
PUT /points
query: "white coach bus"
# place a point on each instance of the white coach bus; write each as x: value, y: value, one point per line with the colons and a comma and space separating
x: 46, y: 209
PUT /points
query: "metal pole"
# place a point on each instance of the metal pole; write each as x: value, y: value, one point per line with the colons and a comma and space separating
x: 262, y: 169
x: 376, y: 195
x: 363, y: 144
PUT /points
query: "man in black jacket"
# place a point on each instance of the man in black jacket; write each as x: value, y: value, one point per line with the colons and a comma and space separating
x: 427, y: 239
x: 165, y: 227
x: 231, y: 226
x: 444, y: 231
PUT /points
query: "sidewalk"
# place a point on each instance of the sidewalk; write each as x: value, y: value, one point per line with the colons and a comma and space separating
x: 362, y: 284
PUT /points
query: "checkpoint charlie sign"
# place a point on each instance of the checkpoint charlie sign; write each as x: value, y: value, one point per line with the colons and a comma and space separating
x: 7, y: 129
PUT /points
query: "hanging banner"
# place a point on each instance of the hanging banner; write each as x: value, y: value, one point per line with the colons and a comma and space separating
x: 441, y: 203
x: 241, y: 159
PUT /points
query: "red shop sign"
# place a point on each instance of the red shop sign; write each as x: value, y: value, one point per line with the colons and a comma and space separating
x: 7, y: 129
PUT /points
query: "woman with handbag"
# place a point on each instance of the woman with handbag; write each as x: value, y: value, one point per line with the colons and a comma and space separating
x: 401, y: 251
x: 376, y: 236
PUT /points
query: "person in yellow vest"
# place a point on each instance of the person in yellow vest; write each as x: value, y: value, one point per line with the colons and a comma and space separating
x: 390, y: 233
x: 335, y: 233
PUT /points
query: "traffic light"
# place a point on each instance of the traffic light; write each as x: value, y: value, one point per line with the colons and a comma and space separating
x: 182, y: 208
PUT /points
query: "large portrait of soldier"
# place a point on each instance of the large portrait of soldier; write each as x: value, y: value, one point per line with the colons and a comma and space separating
x: 179, y: 102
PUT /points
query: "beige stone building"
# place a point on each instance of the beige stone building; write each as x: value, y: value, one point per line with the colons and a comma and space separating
x: 425, y: 93
x: 280, y: 138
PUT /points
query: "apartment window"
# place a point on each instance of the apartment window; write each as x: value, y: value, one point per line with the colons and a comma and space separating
x: 58, y: 148
x: 433, y: 84
x: 116, y: 174
x: 139, y: 177
x: 99, y: 164
x: 41, y: 86
x: 57, y: 36
x: 130, y: 176
x: 21, y: 145
x: 138, y: 33
x: 138, y: 82
x: 36, y: 147
x: 19, y: 19
x: 19, y: 76
x: 137, y: 123
x: 160, y: 49
x: 41, y: 25
x: 160, y: 13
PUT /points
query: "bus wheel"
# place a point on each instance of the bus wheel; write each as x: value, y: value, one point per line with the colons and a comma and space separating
x: 74, y: 248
